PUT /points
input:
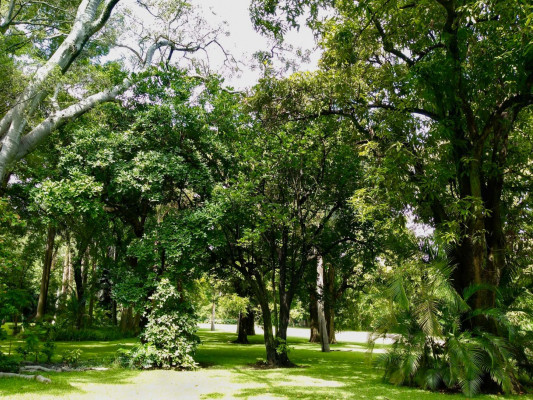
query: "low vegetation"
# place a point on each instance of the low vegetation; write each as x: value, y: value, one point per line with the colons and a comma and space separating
x: 228, y: 370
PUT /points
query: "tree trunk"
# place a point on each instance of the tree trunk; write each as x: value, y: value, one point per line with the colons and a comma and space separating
x: 250, y: 322
x: 242, y: 336
x: 125, y: 319
x: 271, y: 344
x: 62, y: 289
x: 213, y: 309
x: 114, y: 313
x: 322, y: 327
x: 79, y: 279
x: 47, y: 267
x: 479, y: 255
x: 66, y: 270
x: 275, y: 301
x: 245, y: 326
x: 91, y: 299
x: 329, y: 302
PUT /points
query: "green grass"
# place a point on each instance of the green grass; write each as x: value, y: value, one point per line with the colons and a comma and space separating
x: 342, y: 374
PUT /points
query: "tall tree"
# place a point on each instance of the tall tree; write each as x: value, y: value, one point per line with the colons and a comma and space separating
x: 50, y: 98
x: 446, y: 101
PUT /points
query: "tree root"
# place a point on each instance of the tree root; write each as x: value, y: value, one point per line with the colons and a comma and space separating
x: 38, y: 378
x: 35, y: 368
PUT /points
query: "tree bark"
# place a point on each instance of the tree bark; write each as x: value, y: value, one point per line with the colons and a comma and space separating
x: 126, y: 318
x: 114, y: 313
x: 330, y: 297
x: 90, y: 18
x: 62, y: 291
x: 91, y: 299
x: 271, y: 344
x: 242, y: 336
x: 45, y: 279
x: 314, y: 336
x: 245, y: 326
x: 79, y: 280
x: 250, y: 322
x: 213, y: 309
x: 322, y: 327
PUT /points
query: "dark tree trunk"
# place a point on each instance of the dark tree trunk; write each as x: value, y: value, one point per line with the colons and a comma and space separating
x: 92, y: 299
x: 245, y: 326
x: 249, y: 322
x: 242, y: 336
x: 330, y: 296
x: 47, y: 267
x: 313, y: 317
x: 479, y: 255
x: 126, y: 319
x: 79, y: 280
x: 322, y: 326
x: 271, y: 344
x: 114, y: 313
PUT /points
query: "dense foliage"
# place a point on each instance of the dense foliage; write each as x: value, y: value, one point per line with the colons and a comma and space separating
x: 389, y: 190
x: 169, y: 339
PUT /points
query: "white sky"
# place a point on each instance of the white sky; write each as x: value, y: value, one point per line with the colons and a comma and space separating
x: 243, y: 41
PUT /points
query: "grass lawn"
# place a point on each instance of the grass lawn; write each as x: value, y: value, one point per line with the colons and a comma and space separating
x: 226, y: 373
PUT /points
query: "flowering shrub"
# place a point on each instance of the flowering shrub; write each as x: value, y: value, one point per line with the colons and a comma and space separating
x: 169, y: 339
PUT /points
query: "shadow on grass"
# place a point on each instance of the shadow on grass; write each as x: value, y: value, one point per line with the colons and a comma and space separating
x: 65, y: 383
x: 344, y: 374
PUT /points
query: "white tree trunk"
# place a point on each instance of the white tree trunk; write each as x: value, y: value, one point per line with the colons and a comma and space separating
x: 17, y: 139
x: 213, y: 315
x: 90, y: 18
x: 322, y: 327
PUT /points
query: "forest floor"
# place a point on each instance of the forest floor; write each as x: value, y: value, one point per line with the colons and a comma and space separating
x: 227, y: 371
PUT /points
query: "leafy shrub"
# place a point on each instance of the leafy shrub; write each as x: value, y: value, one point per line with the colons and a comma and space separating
x: 48, y: 350
x: 144, y: 356
x: 282, y: 346
x: 31, y: 345
x: 72, y: 357
x: 433, y: 349
x: 169, y: 337
x: 93, y: 334
x: 7, y: 364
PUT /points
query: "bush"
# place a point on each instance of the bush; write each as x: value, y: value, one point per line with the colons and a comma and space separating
x: 7, y: 364
x: 92, y: 334
x: 48, y: 350
x: 144, y: 356
x: 31, y: 345
x: 433, y: 350
x: 72, y: 357
x: 169, y: 337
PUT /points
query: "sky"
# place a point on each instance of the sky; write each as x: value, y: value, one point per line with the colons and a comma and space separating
x: 242, y: 40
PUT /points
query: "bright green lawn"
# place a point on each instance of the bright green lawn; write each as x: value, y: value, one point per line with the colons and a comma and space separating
x: 226, y: 374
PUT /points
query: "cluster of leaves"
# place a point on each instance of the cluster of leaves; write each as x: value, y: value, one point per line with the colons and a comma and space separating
x: 72, y: 357
x: 432, y: 348
x: 8, y: 364
x: 169, y: 337
x: 38, y: 339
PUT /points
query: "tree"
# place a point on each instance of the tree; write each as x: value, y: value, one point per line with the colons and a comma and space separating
x: 23, y: 126
x: 435, y: 104
x: 293, y: 181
